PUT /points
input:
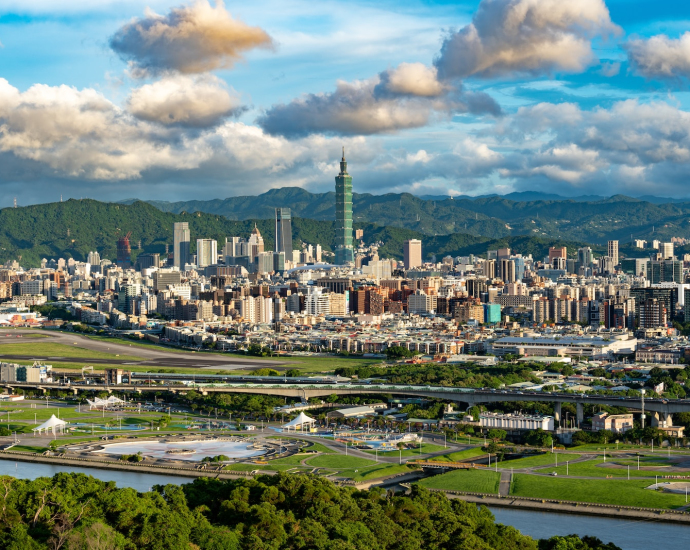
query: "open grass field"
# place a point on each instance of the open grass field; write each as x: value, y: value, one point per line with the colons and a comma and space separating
x: 596, y: 468
x: 29, y: 448
x: 320, y: 448
x: 472, y: 481
x: 47, y: 350
x: 135, y: 343
x: 605, y: 491
x: 460, y: 455
x: 545, y: 459
x: 381, y: 470
x: 426, y: 449
x: 339, y: 462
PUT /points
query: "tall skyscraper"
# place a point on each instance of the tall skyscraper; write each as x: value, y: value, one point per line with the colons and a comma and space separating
x: 412, y: 252
x: 180, y: 244
x: 206, y: 252
x: 283, y: 231
x: 613, y: 251
x: 344, y: 252
x: 667, y: 251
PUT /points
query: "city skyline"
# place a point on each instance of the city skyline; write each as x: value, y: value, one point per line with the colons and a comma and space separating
x: 428, y: 106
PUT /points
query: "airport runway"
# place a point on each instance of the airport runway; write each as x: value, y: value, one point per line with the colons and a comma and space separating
x: 149, y: 356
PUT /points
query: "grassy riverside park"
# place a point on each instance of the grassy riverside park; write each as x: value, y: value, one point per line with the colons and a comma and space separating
x: 596, y: 468
x: 545, y: 459
x: 604, y: 491
x: 471, y: 481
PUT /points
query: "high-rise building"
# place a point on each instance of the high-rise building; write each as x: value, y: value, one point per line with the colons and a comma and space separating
x: 667, y: 251
x: 124, y: 252
x: 557, y: 252
x: 255, y: 244
x: 344, y: 251
x: 584, y: 256
x: 613, y: 251
x: 145, y: 261
x: 206, y: 252
x: 94, y: 258
x: 412, y: 251
x: 283, y: 230
x: 180, y: 244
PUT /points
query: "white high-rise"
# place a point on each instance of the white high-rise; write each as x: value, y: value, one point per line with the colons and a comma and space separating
x: 206, y: 252
x: 613, y: 251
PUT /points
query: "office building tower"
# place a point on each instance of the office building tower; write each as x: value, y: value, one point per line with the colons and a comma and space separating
x: 508, y: 271
x: 613, y: 251
x: 180, y: 244
x: 283, y: 230
x: 146, y: 261
x: 557, y: 252
x: 264, y: 262
x: 255, y: 244
x: 412, y: 251
x: 94, y: 258
x: 584, y: 257
x: 206, y: 252
x: 344, y: 251
x: 667, y: 251
x: 124, y: 252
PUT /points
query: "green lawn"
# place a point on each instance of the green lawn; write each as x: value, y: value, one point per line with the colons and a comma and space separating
x: 427, y: 448
x: 381, y: 470
x: 544, y: 459
x: 472, y: 481
x: 135, y: 343
x: 591, y: 468
x: 460, y: 455
x: 29, y: 448
x: 313, y: 446
x: 59, y: 350
x: 605, y: 491
x: 295, y: 460
x: 339, y: 461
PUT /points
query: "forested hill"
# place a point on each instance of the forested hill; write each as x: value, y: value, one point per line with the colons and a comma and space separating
x: 290, y: 512
x: 588, y: 219
x: 76, y: 227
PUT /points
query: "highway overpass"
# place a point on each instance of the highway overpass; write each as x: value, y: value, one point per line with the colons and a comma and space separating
x: 661, y: 409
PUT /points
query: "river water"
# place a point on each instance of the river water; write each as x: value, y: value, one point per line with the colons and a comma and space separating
x: 629, y: 534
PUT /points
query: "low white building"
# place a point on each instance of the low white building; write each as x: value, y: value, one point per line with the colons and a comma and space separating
x: 516, y: 421
x: 592, y: 347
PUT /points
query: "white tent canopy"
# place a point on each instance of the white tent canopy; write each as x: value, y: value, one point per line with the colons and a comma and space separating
x: 99, y: 403
x: 301, y: 421
x: 53, y: 424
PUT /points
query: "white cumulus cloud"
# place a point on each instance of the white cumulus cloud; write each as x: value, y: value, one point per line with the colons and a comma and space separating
x: 525, y: 36
x: 198, y: 101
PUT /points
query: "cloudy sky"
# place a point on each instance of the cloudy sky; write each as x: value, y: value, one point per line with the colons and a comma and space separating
x: 161, y: 100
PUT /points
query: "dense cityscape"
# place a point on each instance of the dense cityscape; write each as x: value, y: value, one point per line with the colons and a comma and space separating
x: 344, y: 275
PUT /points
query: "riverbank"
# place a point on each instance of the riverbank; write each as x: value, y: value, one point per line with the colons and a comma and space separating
x: 570, y: 507
x: 137, y: 467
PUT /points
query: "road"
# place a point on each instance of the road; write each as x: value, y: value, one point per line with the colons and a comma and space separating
x: 149, y: 356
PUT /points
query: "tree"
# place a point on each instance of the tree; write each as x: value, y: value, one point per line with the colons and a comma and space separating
x: 497, y: 435
x: 538, y: 438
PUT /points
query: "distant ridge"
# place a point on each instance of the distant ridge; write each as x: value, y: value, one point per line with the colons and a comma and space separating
x: 587, y: 218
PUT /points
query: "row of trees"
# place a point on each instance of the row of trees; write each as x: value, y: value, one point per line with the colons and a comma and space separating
x: 74, y: 511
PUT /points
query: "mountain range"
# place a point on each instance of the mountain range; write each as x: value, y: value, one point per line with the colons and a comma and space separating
x: 456, y: 227
x: 584, y: 219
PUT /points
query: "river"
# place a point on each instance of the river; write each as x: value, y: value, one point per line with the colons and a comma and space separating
x: 629, y: 534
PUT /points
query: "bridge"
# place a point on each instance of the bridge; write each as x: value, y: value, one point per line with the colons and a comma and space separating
x: 661, y: 410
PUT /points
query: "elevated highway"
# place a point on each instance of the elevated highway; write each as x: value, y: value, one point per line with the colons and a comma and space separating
x: 661, y: 409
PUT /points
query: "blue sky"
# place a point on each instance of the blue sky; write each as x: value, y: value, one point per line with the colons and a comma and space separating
x: 428, y: 97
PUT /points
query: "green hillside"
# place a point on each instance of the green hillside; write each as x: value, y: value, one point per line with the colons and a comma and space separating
x: 76, y: 227
x: 596, y: 220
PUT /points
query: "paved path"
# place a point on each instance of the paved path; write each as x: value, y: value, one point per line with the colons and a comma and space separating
x: 504, y: 485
